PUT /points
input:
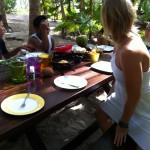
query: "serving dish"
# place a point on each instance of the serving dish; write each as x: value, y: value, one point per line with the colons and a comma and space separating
x: 62, y: 64
x: 64, y: 48
x: 75, y: 57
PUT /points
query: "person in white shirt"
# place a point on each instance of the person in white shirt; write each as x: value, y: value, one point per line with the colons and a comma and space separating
x: 41, y: 39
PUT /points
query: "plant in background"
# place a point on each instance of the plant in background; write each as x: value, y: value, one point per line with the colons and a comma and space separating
x: 70, y: 25
x: 78, y: 24
x: 144, y: 16
x: 10, y: 5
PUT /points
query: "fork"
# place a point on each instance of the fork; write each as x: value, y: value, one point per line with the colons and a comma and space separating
x: 24, y: 102
x: 76, y: 86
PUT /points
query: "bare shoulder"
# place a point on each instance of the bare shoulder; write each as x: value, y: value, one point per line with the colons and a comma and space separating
x: 135, y: 49
x: 135, y: 54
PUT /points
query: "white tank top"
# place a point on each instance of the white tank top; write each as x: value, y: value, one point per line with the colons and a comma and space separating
x: 49, y: 39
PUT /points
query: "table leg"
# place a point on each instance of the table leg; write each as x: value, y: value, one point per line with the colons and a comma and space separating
x: 106, y: 88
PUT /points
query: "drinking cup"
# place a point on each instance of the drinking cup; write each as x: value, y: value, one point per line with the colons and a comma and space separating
x: 46, y: 60
x: 94, y: 57
x: 36, y: 62
x: 18, y: 71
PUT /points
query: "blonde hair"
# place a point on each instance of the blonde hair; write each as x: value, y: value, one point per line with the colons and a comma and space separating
x: 118, y: 17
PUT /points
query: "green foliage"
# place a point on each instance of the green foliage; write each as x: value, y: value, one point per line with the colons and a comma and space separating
x: 10, y: 5
x: 97, y: 12
x: 145, y: 17
x: 78, y: 23
x: 142, y: 33
x: 67, y: 25
x: 51, y: 7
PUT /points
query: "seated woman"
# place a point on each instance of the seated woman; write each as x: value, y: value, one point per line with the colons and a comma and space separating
x: 129, y: 105
x: 3, y: 50
x: 41, y: 40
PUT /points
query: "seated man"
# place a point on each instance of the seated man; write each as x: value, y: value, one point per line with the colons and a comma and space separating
x: 3, y: 50
x: 41, y: 40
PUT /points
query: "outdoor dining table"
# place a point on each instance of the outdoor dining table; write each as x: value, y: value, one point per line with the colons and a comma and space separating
x: 55, y: 98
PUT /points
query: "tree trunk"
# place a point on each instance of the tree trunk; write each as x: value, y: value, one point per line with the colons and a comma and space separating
x: 62, y: 10
x: 3, y: 13
x: 91, y: 14
x: 82, y: 5
x: 33, y: 12
x: 69, y: 6
x: 63, y: 17
x: 91, y: 7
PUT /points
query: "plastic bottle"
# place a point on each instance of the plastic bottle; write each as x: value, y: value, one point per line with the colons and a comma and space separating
x: 32, y: 73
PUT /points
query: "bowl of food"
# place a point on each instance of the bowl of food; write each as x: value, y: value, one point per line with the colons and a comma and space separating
x: 75, y: 57
x: 63, y: 48
x: 62, y: 64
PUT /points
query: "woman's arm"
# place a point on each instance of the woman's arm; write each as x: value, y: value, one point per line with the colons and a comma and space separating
x: 131, y: 66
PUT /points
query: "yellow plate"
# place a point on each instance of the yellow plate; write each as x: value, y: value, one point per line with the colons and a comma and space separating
x: 11, y: 105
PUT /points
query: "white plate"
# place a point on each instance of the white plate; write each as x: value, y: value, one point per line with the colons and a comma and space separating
x: 78, y: 49
x: 70, y: 82
x: 11, y: 105
x: 106, y: 48
x: 33, y: 54
x: 103, y: 66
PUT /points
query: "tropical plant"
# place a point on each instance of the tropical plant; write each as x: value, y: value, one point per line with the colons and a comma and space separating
x: 145, y: 10
x: 10, y: 5
x: 78, y: 23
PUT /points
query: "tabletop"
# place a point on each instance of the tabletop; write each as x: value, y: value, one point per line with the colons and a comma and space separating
x: 54, y: 97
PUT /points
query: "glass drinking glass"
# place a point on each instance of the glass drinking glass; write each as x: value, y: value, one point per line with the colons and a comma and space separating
x: 46, y: 60
x: 18, y: 71
x: 36, y: 62
x: 94, y: 57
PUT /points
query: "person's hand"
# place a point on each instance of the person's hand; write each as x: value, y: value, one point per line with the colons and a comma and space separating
x: 120, y: 136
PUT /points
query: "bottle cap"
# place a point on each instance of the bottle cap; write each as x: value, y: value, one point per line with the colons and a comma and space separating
x: 31, y: 68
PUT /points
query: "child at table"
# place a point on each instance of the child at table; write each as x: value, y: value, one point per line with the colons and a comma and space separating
x: 4, y: 53
x: 41, y: 40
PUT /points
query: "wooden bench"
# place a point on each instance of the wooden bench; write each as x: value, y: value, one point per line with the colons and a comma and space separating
x: 105, y: 142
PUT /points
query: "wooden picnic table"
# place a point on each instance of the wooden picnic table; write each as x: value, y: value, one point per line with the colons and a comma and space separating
x: 55, y: 98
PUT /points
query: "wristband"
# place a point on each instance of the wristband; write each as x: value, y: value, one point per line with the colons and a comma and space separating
x: 122, y: 124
